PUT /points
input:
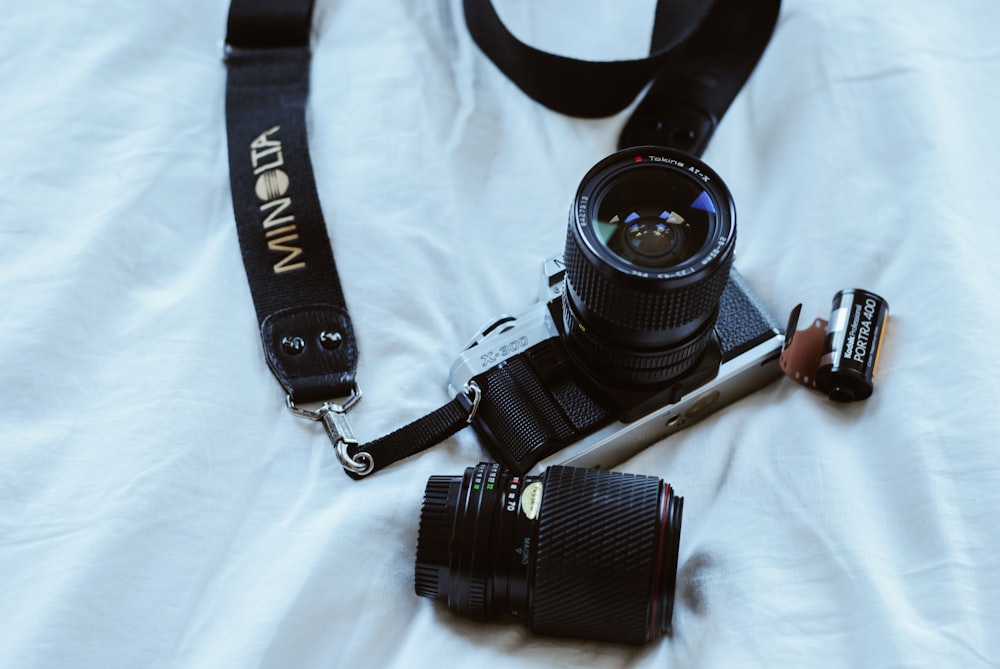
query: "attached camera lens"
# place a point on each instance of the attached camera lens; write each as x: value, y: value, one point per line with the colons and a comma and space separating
x: 573, y: 552
x: 648, y: 253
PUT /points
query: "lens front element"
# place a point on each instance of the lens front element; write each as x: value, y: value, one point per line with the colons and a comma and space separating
x: 652, y: 219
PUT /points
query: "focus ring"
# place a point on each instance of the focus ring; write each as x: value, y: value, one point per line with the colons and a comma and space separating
x: 596, y: 557
x: 642, y: 310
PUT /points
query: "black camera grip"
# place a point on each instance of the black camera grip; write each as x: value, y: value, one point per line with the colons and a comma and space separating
x: 532, y: 406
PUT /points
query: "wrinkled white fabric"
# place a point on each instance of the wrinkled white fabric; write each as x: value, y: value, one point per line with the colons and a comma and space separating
x: 159, y: 507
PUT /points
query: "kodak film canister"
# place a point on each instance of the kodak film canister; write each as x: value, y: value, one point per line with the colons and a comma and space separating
x: 850, y: 351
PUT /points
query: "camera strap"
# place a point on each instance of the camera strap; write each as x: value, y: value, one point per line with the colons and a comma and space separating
x: 702, y: 53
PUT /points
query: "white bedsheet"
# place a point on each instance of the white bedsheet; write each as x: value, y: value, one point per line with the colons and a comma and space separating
x: 159, y: 506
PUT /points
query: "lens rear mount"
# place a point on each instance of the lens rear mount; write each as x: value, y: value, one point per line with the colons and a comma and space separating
x: 431, y: 577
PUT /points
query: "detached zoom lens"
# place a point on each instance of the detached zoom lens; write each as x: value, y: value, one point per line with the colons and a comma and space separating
x: 648, y: 253
x: 574, y: 552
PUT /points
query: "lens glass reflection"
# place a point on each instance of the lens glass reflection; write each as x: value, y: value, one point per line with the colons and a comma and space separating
x: 654, y: 218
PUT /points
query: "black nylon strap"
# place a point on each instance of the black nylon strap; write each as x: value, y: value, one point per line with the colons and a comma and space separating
x: 588, y: 89
x: 696, y: 84
x: 419, y: 435
x: 304, y: 324
x: 701, y: 53
x: 305, y: 329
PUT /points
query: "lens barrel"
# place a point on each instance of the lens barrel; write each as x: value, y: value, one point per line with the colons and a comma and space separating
x: 648, y: 252
x: 574, y: 552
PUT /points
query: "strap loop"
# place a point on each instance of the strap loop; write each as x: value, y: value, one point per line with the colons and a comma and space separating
x: 475, y: 396
x: 358, y: 465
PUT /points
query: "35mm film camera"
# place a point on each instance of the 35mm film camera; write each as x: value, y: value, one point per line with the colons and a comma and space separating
x: 642, y: 327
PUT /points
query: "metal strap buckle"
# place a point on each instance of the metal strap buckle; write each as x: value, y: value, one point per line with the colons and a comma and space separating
x: 474, y: 395
x: 334, y: 419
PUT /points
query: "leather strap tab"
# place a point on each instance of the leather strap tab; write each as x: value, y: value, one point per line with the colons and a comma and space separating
x: 311, y: 350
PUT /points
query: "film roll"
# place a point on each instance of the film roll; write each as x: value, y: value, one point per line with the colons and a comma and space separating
x: 838, y: 357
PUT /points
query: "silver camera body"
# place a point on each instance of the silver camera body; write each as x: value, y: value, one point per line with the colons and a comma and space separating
x: 643, y: 325
x: 751, y: 341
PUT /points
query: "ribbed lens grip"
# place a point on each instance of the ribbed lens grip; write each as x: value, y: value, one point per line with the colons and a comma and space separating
x: 646, y: 309
x: 433, y: 555
x: 596, y: 558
